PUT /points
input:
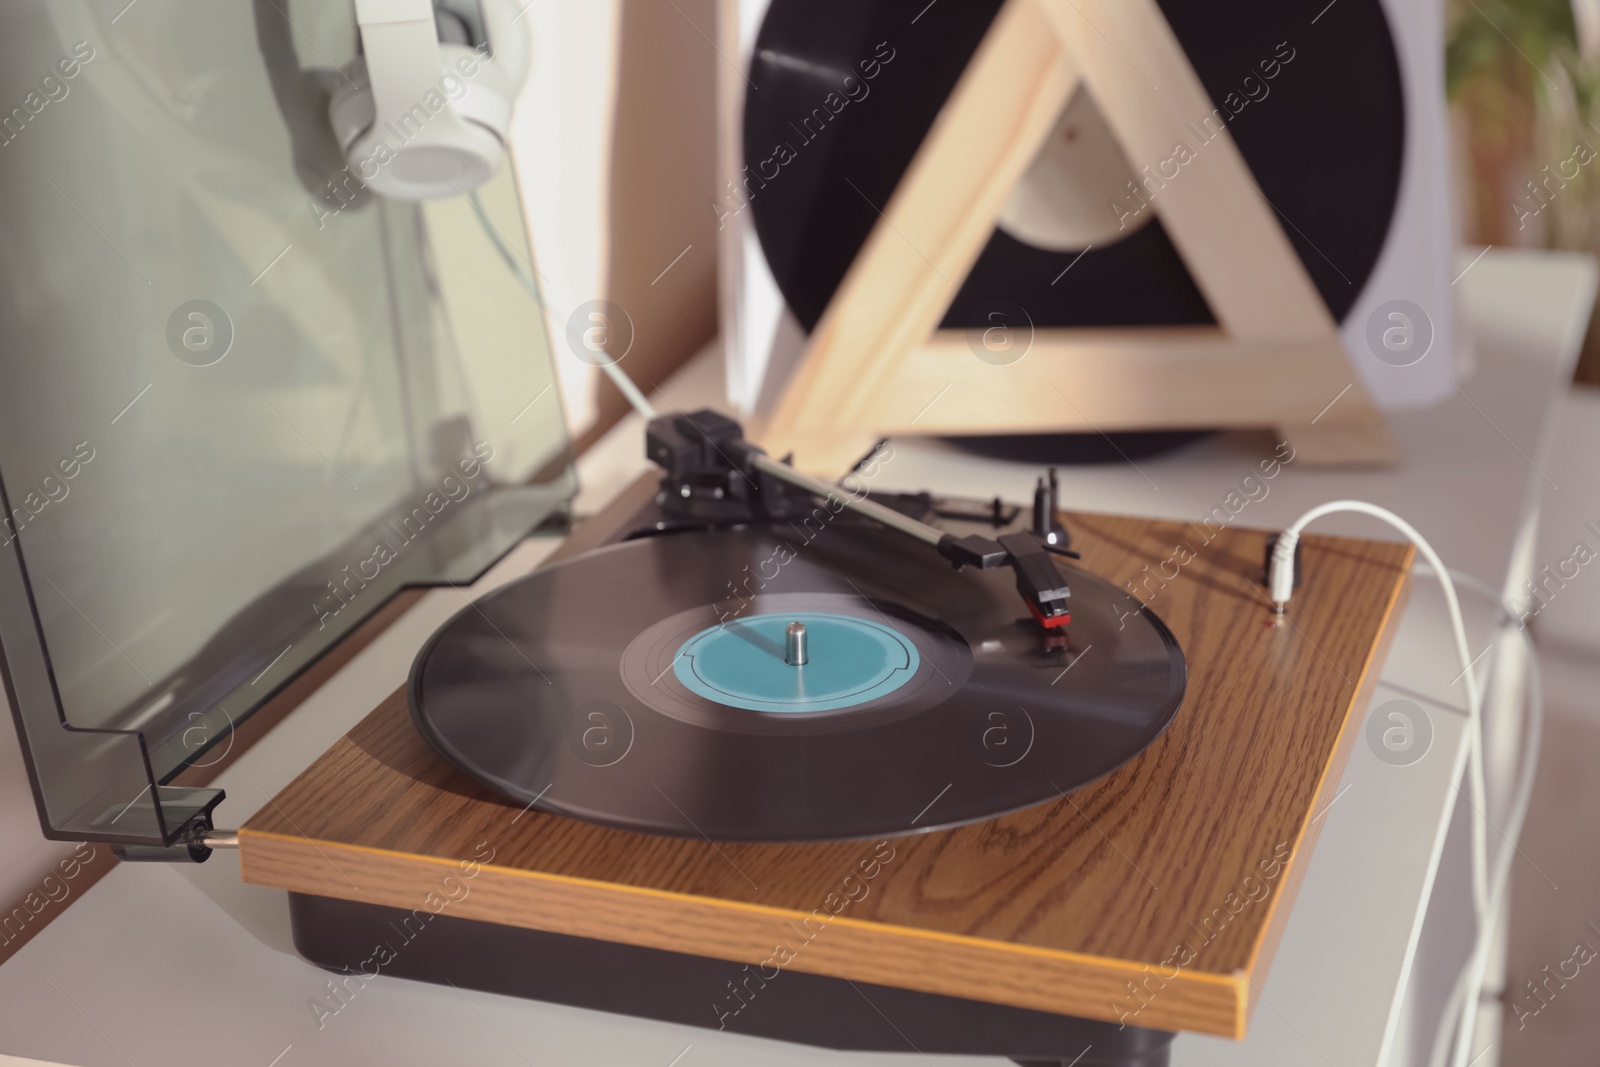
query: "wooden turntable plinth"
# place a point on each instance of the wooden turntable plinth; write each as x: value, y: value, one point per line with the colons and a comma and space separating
x: 1154, y: 897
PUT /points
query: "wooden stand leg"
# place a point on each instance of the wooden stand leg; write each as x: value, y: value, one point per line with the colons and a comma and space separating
x: 1364, y: 440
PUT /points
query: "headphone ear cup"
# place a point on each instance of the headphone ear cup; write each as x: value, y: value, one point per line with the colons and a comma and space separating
x: 492, y: 76
x: 451, y: 140
x: 477, y: 89
x: 421, y: 154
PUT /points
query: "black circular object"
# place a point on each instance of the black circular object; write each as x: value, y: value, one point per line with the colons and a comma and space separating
x: 542, y: 692
x: 1324, y: 139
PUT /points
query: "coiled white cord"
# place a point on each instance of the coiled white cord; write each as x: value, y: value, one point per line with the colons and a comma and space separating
x: 1488, y: 890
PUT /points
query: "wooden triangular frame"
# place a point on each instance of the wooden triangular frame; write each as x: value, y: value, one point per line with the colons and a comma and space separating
x: 878, y: 364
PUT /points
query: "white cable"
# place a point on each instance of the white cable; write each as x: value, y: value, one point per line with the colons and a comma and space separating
x: 1454, y: 1015
x: 1488, y: 889
x: 624, y: 384
x: 1280, y: 578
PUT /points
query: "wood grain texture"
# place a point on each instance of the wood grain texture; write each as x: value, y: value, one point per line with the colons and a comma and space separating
x: 1104, y: 380
x: 934, y: 226
x: 1222, y: 226
x: 1074, y: 906
x: 1276, y: 358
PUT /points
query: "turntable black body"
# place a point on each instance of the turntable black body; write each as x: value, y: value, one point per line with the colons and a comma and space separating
x: 677, y: 987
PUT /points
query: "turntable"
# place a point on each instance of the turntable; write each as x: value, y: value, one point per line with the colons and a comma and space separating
x: 703, y: 755
x: 757, y: 753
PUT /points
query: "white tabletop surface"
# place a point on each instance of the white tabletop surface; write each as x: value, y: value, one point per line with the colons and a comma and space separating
x: 182, y: 965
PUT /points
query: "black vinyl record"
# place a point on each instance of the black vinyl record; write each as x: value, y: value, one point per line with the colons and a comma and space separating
x: 1323, y: 137
x: 643, y: 686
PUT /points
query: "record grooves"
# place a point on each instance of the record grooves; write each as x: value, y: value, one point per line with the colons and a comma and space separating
x: 931, y: 699
x: 1323, y: 137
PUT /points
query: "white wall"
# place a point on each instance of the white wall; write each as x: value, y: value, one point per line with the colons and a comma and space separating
x: 561, y: 138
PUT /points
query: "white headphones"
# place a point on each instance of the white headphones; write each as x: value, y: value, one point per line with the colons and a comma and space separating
x: 426, y: 109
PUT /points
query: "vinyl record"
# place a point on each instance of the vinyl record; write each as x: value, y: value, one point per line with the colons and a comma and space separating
x: 644, y: 686
x: 843, y: 92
